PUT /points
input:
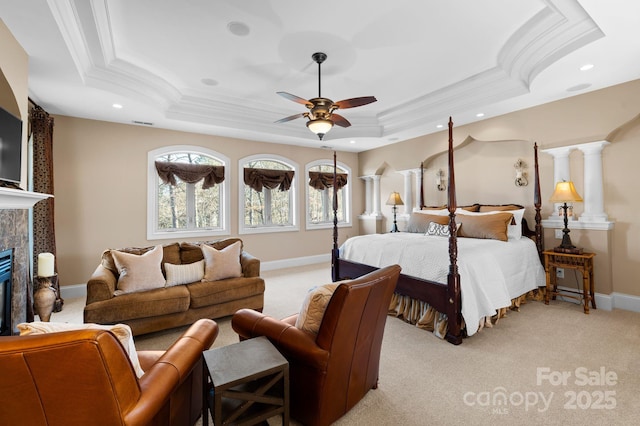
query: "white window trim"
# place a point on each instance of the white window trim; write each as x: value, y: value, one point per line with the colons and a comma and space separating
x: 152, y: 195
x: 242, y: 229
x: 347, y: 196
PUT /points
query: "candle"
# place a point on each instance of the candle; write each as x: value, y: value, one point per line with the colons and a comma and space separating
x: 45, y: 265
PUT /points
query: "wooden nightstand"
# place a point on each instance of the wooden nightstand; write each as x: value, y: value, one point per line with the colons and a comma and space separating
x: 582, y: 262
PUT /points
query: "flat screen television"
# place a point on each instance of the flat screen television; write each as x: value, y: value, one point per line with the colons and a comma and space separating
x: 10, y: 147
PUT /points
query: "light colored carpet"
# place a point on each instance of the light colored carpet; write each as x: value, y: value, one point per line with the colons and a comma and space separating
x: 427, y: 381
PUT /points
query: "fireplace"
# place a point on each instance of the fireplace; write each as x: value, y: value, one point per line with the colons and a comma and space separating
x: 14, y: 236
x: 6, y: 269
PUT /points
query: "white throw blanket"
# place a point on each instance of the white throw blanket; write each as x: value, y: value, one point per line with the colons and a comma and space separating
x: 491, y: 272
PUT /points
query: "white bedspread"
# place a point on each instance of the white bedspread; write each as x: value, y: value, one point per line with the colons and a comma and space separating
x: 491, y: 272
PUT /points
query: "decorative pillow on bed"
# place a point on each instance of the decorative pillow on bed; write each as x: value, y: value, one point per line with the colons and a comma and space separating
x: 419, y: 221
x: 437, y: 230
x: 138, y: 272
x: 313, y: 307
x: 184, y: 274
x: 485, y: 226
x: 121, y: 331
x: 514, y: 229
x: 221, y: 264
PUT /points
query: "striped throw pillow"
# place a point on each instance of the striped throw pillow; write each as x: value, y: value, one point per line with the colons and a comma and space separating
x: 184, y: 274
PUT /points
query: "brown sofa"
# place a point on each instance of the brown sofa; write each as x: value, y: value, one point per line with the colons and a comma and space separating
x: 168, y: 307
x: 85, y: 377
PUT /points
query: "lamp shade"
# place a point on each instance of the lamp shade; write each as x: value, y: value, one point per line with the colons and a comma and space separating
x: 319, y: 126
x: 565, y: 193
x: 395, y: 200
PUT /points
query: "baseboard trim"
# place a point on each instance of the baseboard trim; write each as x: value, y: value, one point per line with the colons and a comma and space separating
x: 297, y: 261
x: 73, y: 291
x: 609, y: 302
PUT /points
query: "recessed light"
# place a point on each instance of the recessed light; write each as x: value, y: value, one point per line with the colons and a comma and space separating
x: 209, y: 82
x: 480, y: 114
x: 586, y: 67
x: 439, y: 126
x: 352, y: 141
x: 117, y: 106
x: 238, y: 28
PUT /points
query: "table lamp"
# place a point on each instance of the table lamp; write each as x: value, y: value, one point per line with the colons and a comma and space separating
x: 395, y: 201
x: 565, y: 193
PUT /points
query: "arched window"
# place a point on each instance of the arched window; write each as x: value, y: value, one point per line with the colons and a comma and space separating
x: 319, y: 194
x: 188, y: 192
x: 267, y: 195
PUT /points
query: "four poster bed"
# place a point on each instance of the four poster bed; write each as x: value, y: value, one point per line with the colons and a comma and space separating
x: 496, y: 273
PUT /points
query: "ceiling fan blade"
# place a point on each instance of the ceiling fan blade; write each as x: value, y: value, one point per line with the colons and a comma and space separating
x: 355, y: 102
x: 339, y: 120
x: 294, y: 98
x: 291, y: 117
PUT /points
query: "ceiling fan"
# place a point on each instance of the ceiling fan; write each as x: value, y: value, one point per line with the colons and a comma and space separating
x: 321, y: 113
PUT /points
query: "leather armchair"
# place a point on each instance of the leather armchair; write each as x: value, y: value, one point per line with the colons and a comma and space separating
x: 84, y: 377
x: 333, y: 370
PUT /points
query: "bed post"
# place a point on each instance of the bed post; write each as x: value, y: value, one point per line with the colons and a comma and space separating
x: 454, y: 332
x: 421, y: 185
x: 335, y: 273
x: 537, y: 202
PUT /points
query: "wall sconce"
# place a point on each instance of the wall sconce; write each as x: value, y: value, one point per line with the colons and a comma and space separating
x: 440, y: 180
x: 521, y: 174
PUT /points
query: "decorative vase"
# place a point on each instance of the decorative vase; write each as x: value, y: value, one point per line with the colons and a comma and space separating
x: 44, y: 300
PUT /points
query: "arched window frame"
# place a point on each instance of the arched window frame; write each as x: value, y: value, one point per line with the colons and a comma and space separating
x: 345, y: 199
x: 293, y: 210
x: 153, y: 233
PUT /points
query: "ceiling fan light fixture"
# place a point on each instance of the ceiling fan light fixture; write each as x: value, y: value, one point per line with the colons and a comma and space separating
x: 320, y: 126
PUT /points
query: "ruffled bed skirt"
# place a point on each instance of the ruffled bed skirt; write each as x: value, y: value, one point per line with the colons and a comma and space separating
x: 424, y: 316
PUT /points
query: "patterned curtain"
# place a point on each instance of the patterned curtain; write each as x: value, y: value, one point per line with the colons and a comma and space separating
x: 259, y: 178
x: 321, y: 181
x: 190, y: 173
x: 41, y: 133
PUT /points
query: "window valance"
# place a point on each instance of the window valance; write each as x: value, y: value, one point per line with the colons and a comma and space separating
x: 323, y: 180
x: 190, y: 173
x: 270, y: 178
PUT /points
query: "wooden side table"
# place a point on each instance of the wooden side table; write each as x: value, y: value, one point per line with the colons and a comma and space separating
x: 249, y: 381
x: 582, y: 262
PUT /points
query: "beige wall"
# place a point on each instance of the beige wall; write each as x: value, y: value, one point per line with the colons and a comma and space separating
x: 14, y: 63
x: 101, y: 192
x: 485, y: 172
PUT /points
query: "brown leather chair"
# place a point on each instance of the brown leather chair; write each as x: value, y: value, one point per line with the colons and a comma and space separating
x: 84, y: 377
x: 331, y: 371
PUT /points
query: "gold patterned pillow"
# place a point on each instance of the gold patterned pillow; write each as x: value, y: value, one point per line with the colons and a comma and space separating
x: 313, y: 307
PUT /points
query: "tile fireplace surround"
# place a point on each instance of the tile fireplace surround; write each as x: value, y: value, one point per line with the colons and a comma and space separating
x: 14, y: 234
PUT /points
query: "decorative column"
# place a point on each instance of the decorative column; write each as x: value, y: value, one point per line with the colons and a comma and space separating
x: 367, y: 194
x: 593, y: 186
x: 407, y: 193
x: 377, y: 210
x: 418, y: 181
x: 561, y: 170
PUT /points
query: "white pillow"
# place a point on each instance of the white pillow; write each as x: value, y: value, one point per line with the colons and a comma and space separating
x: 221, y: 264
x: 514, y: 232
x: 121, y: 331
x: 437, y: 212
x: 138, y: 272
x: 184, y: 274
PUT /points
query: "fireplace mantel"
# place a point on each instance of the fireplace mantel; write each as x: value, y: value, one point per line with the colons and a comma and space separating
x: 16, y: 199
